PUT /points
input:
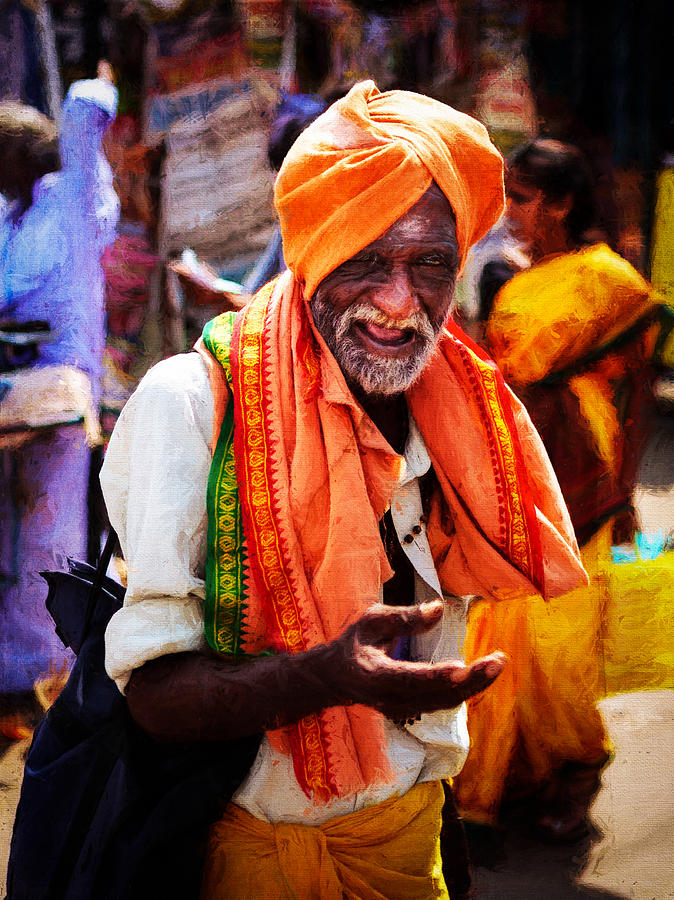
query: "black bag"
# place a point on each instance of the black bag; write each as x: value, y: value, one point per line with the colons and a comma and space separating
x: 105, y: 813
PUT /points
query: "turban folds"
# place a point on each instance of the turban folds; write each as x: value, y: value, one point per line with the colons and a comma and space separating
x: 366, y: 161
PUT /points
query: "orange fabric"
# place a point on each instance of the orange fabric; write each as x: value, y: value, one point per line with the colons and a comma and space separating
x: 366, y: 161
x: 312, y: 499
x: 390, y: 851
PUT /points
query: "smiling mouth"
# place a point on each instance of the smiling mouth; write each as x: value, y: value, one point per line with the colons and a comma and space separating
x: 385, y: 338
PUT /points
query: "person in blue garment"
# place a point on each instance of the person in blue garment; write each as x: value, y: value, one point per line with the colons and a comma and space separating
x: 58, y: 215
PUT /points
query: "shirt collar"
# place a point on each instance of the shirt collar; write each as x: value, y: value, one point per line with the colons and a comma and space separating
x: 416, y: 461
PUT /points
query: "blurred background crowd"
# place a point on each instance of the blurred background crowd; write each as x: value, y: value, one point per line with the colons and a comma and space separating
x: 200, y: 82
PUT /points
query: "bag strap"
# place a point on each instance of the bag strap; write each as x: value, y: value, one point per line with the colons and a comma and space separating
x: 101, y: 569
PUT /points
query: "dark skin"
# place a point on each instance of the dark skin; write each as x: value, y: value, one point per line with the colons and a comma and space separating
x: 192, y: 696
x: 537, y: 220
x: 411, y: 268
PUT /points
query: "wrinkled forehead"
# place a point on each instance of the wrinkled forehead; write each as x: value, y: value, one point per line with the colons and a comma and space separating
x: 431, y: 221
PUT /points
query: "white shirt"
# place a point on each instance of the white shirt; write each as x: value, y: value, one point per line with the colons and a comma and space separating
x: 154, y: 481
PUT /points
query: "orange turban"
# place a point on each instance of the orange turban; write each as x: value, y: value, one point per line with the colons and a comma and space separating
x: 366, y: 161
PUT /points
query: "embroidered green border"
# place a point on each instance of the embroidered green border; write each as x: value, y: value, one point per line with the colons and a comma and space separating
x: 225, y: 604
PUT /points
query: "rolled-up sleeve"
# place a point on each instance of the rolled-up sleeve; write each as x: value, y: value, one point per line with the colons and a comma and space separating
x: 154, y: 482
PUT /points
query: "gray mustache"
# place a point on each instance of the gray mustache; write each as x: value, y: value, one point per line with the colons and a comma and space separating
x: 369, y: 315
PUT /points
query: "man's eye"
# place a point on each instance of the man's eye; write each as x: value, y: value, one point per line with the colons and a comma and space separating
x: 369, y: 259
x: 366, y: 262
x: 432, y: 259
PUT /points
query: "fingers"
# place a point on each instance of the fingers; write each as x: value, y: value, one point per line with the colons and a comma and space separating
x: 473, y: 679
x: 381, y: 624
x: 403, y: 688
x: 488, y: 667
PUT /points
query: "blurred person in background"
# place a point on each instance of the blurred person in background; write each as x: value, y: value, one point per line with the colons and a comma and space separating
x: 58, y: 214
x: 492, y: 261
x: 574, y: 335
x: 295, y: 113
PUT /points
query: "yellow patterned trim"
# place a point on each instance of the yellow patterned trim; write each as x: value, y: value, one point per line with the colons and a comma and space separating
x: 518, y: 543
x: 516, y: 510
x: 266, y: 554
x: 226, y: 596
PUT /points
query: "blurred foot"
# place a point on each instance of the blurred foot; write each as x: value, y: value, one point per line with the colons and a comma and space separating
x: 564, y: 818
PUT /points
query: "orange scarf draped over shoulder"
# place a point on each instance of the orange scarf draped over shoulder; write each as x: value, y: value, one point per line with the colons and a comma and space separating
x: 315, y: 476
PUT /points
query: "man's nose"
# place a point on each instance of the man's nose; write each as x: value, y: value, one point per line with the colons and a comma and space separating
x: 396, y: 297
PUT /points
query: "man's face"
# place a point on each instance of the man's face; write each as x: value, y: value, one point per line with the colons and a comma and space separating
x: 381, y: 312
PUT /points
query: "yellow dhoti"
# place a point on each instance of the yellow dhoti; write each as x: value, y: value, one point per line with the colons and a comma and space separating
x: 390, y: 851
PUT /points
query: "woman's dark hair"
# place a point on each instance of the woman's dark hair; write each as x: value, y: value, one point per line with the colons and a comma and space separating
x: 295, y: 113
x: 28, y: 149
x: 558, y: 170
x: 284, y: 133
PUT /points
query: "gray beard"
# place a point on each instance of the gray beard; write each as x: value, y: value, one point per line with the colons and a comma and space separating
x: 382, y: 376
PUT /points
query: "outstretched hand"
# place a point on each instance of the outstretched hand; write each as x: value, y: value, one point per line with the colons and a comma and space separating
x: 198, y: 696
x: 367, y: 673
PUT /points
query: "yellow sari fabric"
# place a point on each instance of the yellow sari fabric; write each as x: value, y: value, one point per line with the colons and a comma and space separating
x: 541, y: 711
x: 550, y: 318
x: 662, y: 258
x: 613, y: 634
x: 390, y: 851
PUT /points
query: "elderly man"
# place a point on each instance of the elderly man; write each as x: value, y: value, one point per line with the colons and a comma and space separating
x: 333, y: 445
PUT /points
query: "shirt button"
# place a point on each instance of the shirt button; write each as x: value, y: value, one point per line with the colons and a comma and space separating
x: 408, y: 539
x: 416, y: 529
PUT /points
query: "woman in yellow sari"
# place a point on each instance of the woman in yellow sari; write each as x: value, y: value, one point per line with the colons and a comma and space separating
x: 574, y: 336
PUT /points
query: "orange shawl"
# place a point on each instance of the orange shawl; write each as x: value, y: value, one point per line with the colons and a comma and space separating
x: 315, y: 476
